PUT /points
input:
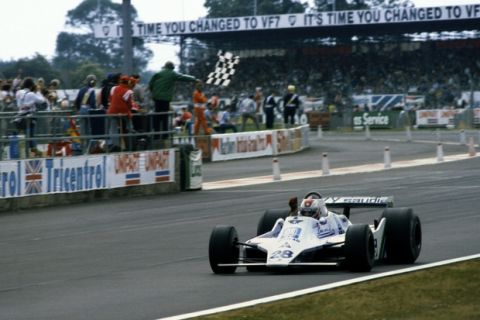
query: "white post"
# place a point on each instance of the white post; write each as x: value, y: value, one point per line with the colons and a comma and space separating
x: 439, y: 152
x: 387, y: 159
x: 409, y: 133
x: 325, y: 164
x: 276, y: 169
x: 471, y: 148
x: 463, y: 137
x: 368, y: 136
x: 319, y: 132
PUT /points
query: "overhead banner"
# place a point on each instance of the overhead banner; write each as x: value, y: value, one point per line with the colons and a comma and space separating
x: 286, y: 21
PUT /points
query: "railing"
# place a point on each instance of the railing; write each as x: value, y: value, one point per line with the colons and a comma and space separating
x: 61, y: 133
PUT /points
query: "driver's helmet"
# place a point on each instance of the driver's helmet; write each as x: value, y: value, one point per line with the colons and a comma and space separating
x: 311, y: 207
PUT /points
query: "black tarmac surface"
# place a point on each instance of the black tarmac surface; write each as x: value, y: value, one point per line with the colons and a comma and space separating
x: 147, y: 258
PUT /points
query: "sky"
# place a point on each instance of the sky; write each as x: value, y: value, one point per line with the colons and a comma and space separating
x: 32, y: 26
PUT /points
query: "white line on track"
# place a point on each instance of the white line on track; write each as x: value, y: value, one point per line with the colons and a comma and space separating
x: 329, y: 286
x: 222, y: 184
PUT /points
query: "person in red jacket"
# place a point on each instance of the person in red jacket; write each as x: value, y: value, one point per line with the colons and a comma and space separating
x: 120, y: 111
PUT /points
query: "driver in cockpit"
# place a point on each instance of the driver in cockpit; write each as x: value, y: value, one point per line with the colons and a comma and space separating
x: 314, y: 208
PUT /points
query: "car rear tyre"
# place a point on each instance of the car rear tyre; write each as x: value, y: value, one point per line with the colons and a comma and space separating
x: 267, y: 221
x: 403, y: 235
x: 359, y: 248
x: 223, y: 248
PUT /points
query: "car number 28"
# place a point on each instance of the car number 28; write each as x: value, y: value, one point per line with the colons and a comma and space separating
x: 279, y: 254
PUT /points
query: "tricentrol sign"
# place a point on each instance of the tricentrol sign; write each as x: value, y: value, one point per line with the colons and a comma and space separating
x: 284, y: 21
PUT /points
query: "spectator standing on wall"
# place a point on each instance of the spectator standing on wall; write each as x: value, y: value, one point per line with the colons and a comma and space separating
x: 162, y: 86
x: 137, y: 104
x: 138, y: 91
x: 121, y: 103
x: 185, y: 120
x: 269, y: 107
x: 52, y: 95
x: 103, y: 97
x: 86, y: 101
x: 247, y: 109
x: 27, y: 99
x: 7, y: 97
x: 291, y: 103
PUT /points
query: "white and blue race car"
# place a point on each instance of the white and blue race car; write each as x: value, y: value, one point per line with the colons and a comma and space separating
x: 316, y: 235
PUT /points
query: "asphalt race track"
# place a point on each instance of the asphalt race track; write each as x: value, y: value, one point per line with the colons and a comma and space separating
x: 147, y: 258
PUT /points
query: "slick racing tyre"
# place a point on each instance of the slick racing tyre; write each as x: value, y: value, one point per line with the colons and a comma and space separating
x: 267, y: 221
x: 403, y: 235
x: 359, y: 248
x: 223, y: 249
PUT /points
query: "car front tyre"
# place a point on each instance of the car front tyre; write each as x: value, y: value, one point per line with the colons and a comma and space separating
x: 359, y: 248
x: 223, y: 249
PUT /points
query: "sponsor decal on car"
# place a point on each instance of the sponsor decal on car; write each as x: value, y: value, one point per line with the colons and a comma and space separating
x: 292, y: 234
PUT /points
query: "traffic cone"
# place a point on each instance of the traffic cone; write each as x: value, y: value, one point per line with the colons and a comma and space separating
x: 319, y: 132
x: 439, y: 152
x: 276, y: 170
x: 408, y: 133
x: 471, y: 148
x: 463, y: 138
x: 387, y: 159
x: 325, y: 164
x: 368, y: 136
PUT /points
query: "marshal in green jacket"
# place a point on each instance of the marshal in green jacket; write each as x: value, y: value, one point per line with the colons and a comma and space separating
x: 162, y: 84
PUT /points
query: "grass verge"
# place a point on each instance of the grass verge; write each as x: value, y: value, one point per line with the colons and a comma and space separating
x: 442, y: 293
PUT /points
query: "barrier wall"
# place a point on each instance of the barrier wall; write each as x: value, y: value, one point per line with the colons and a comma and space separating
x: 52, y: 181
x: 258, y: 143
x: 241, y: 145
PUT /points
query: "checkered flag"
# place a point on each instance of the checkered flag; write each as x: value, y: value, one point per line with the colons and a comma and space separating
x: 224, y: 69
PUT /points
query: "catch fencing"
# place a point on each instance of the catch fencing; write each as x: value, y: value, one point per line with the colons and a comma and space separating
x: 64, y: 133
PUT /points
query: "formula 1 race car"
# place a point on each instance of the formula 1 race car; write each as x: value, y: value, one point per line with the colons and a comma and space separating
x: 313, y: 235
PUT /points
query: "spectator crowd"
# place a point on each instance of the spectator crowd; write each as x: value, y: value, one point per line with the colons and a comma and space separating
x: 438, y: 70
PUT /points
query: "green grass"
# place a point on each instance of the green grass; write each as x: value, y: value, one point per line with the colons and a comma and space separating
x: 443, y: 293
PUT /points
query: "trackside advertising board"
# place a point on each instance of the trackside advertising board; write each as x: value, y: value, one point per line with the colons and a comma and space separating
x: 19, y: 178
x: 258, y: 143
x: 290, y: 21
x: 476, y: 116
x: 376, y: 120
x: 426, y: 118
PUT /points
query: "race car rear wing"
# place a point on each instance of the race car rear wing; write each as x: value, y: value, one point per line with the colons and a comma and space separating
x: 358, y: 202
